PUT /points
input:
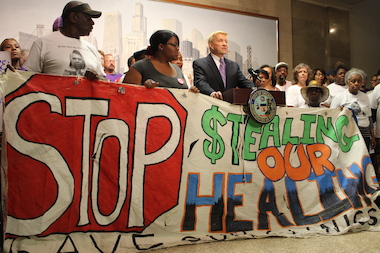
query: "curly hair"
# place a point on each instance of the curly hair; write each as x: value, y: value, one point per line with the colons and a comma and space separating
x: 297, y: 68
x: 353, y: 72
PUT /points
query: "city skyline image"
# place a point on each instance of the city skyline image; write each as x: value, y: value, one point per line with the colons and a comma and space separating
x: 125, y: 27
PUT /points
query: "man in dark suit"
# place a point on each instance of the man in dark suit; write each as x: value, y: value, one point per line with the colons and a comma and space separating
x: 212, y: 76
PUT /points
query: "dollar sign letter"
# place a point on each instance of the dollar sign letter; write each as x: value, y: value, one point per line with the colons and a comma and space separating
x: 213, y: 149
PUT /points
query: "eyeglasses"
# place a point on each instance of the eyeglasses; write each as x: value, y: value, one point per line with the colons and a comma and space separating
x: 173, y: 44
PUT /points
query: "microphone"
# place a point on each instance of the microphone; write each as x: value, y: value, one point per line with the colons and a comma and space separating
x: 254, y: 74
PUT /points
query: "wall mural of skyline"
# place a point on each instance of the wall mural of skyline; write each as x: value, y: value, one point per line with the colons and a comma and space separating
x: 125, y: 27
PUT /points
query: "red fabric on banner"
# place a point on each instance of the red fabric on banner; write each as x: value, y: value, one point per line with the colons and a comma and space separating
x: 31, y: 182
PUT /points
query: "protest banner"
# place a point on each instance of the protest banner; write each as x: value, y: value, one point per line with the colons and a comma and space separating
x: 108, y: 167
x: 5, y: 59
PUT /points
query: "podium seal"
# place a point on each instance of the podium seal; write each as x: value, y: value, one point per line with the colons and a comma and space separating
x: 262, y: 106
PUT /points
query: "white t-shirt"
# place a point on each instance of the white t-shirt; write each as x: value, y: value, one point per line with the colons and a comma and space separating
x: 284, y: 87
x: 335, y: 89
x: 294, y: 97
x: 57, y: 54
x: 374, y: 99
x: 359, y: 103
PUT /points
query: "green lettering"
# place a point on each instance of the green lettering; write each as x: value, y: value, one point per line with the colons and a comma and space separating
x: 213, y: 149
x: 308, y: 120
x: 345, y: 143
x: 271, y: 129
x: 236, y: 121
x: 327, y: 130
x: 251, y: 127
x: 286, y: 138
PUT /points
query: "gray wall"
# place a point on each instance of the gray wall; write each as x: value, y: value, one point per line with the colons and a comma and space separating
x: 313, y: 43
x: 304, y: 31
x: 355, y: 41
x: 365, y: 36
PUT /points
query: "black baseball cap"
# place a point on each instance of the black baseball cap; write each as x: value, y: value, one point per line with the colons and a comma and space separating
x: 74, y: 6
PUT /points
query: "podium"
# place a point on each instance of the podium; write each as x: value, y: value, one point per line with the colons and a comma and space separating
x: 240, y: 96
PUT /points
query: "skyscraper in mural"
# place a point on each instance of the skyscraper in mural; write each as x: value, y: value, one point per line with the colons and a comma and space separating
x: 173, y: 25
x: 112, y: 42
x: 187, y: 49
x: 187, y: 55
x: 137, y: 38
x: 198, y: 44
x: 248, y: 63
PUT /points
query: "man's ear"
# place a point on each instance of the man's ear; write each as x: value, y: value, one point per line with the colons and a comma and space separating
x: 73, y: 17
x: 210, y: 46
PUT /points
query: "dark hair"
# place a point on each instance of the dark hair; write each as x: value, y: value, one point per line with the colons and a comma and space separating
x: 4, y: 41
x: 273, y: 80
x: 340, y: 66
x: 330, y: 72
x: 262, y: 71
x: 139, y: 55
x: 130, y: 59
x: 319, y: 69
x: 159, y: 37
x: 322, y: 71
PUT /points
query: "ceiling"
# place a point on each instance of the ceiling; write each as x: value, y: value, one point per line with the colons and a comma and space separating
x: 340, y: 4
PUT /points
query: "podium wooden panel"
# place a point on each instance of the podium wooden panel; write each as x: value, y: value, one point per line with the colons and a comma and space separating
x: 240, y: 96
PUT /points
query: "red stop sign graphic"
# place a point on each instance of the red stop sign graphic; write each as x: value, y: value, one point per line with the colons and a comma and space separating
x: 92, y: 156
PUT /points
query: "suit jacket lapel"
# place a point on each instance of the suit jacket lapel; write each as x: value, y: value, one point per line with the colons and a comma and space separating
x: 216, y: 72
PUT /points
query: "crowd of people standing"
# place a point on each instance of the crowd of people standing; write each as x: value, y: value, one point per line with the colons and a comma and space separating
x: 63, y: 52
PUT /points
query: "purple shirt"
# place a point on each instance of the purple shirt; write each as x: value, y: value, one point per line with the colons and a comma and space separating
x: 114, y: 77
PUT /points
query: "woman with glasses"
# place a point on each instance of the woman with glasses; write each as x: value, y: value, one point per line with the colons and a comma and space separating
x: 319, y: 76
x: 158, y: 69
x: 320, y: 80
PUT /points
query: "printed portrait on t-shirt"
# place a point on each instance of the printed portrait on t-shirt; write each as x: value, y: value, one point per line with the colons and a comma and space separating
x: 77, y: 65
x: 356, y: 108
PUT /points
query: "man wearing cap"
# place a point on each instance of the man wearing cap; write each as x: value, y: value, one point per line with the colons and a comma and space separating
x: 281, y: 70
x: 51, y: 54
x: 314, y: 95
